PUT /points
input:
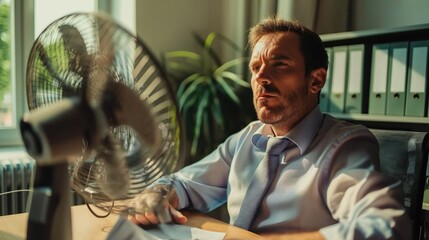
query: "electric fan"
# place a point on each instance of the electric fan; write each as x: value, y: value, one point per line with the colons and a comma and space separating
x: 99, y: 101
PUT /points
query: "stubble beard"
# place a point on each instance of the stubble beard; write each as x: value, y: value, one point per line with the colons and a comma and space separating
x: 268, y: 114
x: 293, y: 107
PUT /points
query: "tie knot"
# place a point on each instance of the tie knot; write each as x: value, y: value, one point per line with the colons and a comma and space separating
x: 275, y: 146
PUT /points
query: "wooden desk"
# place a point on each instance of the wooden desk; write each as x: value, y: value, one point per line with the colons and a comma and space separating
x: 87, y: 226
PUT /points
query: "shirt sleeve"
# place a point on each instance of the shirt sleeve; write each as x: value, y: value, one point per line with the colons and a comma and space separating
x: 203, y: 185
x: 366, y: 203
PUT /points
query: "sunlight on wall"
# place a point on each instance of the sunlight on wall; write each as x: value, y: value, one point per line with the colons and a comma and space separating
x: 44, y: 13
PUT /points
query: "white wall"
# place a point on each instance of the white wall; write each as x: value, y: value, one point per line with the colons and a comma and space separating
x: 370, y: 14
x: 329, y: 16
x: 124, y: 13
x: 166, y: 25
x: 350, y: 15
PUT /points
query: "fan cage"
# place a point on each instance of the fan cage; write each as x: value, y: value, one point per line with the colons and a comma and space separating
x: 65, y: 62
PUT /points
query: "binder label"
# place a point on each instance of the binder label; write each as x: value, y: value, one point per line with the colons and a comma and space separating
x: 380, y: 71
x: 398, y: 70
x: 418, y: 70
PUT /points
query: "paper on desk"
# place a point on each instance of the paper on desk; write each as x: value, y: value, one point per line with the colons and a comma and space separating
x: 125, y: 230
x: 176, y: 231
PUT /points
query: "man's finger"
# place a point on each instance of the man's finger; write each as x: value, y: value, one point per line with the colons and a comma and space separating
x: 178, y: 217
x: 142, y: 219
x: 151, y: 217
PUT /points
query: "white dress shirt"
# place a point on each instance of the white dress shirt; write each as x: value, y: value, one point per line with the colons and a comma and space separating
x: 327, y: 181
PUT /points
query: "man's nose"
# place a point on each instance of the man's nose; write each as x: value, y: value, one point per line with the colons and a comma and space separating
x: 262, y: 76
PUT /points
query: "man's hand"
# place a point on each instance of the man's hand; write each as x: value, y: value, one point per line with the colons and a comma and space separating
x: 150, y: 218
x: 156, y: 205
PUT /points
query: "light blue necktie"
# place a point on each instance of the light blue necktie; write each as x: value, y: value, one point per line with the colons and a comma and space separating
x: 261, y: 180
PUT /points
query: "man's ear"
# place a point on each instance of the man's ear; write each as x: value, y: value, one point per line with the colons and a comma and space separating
x: 317, y: 80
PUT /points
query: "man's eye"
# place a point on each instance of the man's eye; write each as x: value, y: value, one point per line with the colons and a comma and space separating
x: 255, y: 68
x: 281, y: 64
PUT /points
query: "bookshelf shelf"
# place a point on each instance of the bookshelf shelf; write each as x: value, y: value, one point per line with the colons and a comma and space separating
x: 386, y: 122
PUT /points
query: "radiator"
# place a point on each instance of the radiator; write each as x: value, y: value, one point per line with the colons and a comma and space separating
x: 17, y: 170
x: 16, y: 173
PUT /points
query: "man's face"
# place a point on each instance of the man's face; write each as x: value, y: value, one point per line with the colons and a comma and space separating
x: 281, y: 92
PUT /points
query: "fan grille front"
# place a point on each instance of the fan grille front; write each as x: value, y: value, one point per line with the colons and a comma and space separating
x: 80, y: 55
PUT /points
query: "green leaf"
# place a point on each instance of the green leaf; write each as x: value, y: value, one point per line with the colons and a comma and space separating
x: 199, y: 123
x: 200, y: 41
x: 209, y: 40
x: 235, y: 78
x: 184, y: 62
x: 185, y: 83
x: 191, y: 89
x: 179, y: 70
x: 191, y: 102
x: 228, y: 41
x: 207, y: 64
x: 182, y: 54
x: 231, y: 63
x: 216, y: 108
x: 228, y: 90
x: 208, y: 131
x: 211, y: 58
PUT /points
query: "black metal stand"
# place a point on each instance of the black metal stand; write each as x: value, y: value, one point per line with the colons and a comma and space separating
x: 50, y: 213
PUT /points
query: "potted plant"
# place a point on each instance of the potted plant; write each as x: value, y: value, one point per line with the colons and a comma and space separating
x: 209, y: 93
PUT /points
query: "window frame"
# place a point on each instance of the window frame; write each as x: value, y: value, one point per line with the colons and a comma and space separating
x: 22, y: 37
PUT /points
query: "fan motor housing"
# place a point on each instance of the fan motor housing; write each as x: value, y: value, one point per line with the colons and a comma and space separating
x: 65, y: 129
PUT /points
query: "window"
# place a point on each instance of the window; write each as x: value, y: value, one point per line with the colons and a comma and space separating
x: 5, y: 64
x: 20, y: 23
x: 12, y: 99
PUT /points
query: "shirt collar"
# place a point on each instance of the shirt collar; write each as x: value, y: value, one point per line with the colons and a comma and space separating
x: 301, y: 135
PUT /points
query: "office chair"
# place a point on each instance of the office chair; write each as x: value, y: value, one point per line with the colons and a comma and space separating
x: 404, y: 155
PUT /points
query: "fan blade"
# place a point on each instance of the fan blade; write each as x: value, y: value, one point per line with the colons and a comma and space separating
x: 79, y: 60
x: 115, y: 181
x: 101, y: 62
x: 68, y: 90
x: 106, y: 40
x: 123, y: 106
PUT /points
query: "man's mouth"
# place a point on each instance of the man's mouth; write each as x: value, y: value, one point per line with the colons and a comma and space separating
x: 265, y: 96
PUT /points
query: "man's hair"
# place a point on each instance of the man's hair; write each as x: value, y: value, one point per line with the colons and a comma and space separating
x: 311, y: 46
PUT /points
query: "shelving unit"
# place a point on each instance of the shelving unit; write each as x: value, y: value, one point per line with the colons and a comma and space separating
x: 368, y: 39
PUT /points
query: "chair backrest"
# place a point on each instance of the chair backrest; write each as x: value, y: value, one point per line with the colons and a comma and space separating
x: 404, y: 155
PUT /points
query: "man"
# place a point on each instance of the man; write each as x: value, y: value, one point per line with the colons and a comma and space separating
x: 325, y: 176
